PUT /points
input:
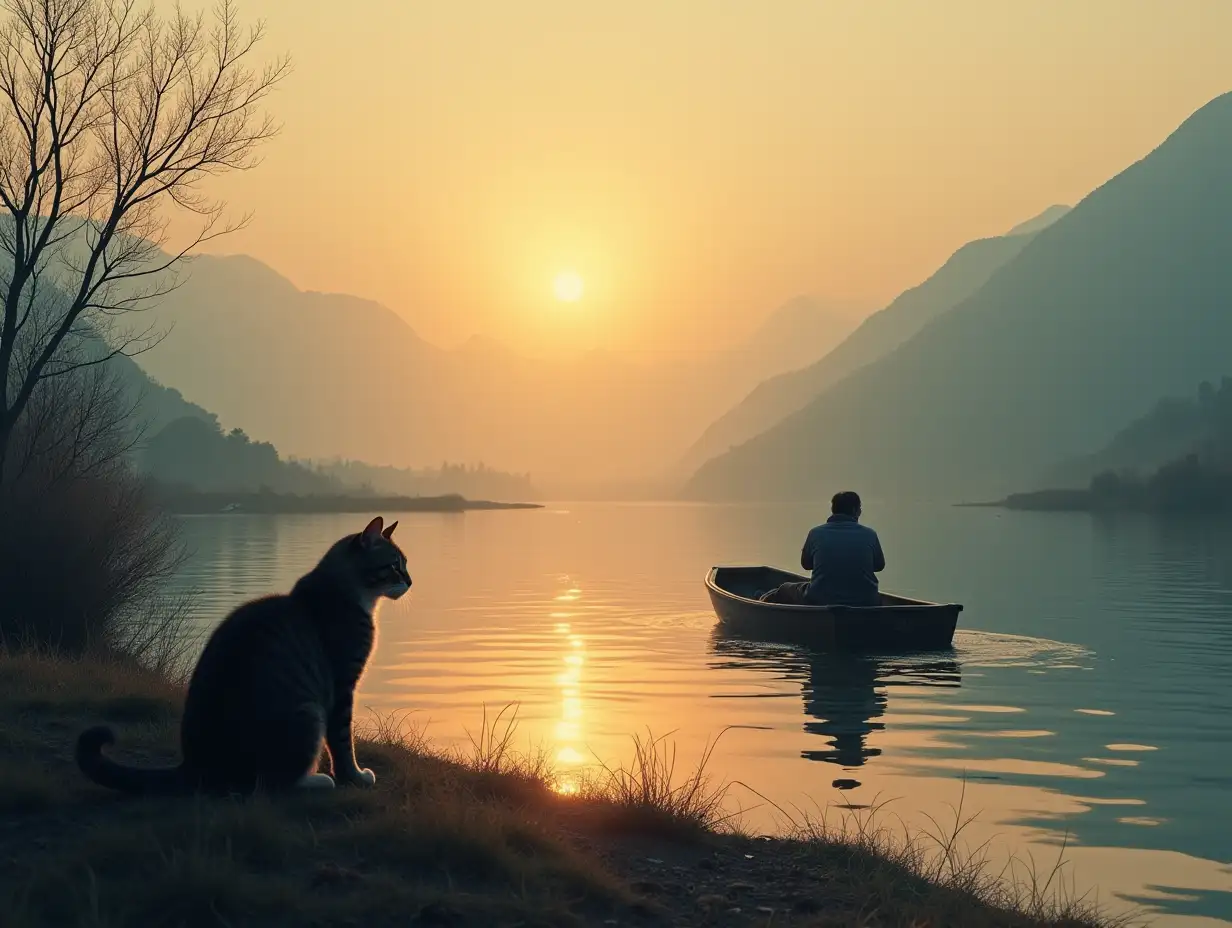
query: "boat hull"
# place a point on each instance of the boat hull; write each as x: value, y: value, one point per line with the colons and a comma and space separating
x: 898, y: 624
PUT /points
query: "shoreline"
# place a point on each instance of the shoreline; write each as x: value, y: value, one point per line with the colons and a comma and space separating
x: 445, y: 839
x: 193, y: 502
x: 1047, y: 501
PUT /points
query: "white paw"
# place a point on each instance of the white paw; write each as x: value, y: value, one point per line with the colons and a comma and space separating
x: 365, y: 777
x: 316, y: 781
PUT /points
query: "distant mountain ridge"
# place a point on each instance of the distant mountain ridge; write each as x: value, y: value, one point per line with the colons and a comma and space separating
x: 771, y: 401
x: 332, y: 375
x: 1040, y: 222
x: 1120, y: 301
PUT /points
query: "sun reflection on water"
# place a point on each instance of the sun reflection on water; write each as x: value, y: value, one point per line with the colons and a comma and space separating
x: 568, y: 728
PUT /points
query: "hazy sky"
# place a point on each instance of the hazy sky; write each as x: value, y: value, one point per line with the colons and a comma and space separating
x: 695, y: 162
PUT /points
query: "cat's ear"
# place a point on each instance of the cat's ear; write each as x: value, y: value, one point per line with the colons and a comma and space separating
x: 373, y: 529
x: 389, y: 531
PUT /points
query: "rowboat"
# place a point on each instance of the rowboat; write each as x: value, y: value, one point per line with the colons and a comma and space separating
x: 898, y: 624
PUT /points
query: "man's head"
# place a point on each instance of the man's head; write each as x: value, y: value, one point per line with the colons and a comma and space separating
x: 846, y: 503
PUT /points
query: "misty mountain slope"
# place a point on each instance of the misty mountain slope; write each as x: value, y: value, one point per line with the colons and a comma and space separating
x: 771, y: 401
x: 1122, y: 300
x: 309, y: 372
x: 799, y: 332
x: 1174, y: 427
x: 325, y: 375
x: 1041, y: 222
x: 155, y: 406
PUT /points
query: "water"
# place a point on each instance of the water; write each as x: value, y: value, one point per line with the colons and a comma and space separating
x: 1088, y: 699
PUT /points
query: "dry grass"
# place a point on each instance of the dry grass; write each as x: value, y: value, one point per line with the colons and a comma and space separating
x: 647, y: 796
x: 945, y: 873
x: 475, y: 836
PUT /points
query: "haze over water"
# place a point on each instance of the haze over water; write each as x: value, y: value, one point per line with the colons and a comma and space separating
x: 1087, y: 695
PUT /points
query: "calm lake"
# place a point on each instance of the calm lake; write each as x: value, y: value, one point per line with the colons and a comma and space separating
x: 1088, y: 699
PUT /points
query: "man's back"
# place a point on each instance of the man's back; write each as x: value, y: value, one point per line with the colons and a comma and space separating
x: 844, y: 557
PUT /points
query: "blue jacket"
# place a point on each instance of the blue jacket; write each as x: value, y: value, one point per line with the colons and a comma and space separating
x: 844, y: 557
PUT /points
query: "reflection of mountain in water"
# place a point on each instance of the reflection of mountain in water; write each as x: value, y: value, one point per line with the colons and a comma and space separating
x: 844, y: 694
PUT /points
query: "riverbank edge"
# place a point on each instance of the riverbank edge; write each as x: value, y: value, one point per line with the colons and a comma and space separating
x: 1058, y: 500
x: 197, y: 502
x: 441, y: 840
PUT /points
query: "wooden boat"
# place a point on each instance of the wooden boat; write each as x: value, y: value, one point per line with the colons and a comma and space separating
x: 898, y: 624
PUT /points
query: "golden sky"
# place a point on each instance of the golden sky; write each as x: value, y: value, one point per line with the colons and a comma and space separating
x: 697, y: 162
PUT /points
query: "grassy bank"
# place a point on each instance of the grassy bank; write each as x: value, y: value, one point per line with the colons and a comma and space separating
x: 474, y: 839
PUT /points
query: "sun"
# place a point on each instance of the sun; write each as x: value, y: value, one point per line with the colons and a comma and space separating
x: 568, y: 286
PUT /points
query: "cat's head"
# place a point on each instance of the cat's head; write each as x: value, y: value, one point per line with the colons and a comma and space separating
x: 370, y: 564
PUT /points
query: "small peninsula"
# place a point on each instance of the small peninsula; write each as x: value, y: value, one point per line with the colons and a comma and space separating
x: 185, y: 501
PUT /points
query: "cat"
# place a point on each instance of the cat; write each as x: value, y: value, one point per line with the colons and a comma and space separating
x: 276, y: 683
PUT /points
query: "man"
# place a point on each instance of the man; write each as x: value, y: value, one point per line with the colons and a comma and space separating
x: 844, y: 558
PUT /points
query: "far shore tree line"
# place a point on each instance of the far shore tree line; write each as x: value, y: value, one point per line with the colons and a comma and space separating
x: 1198, y: 479
x: 195, y: 453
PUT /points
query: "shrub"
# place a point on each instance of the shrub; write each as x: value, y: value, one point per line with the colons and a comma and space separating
x: 84, y: 550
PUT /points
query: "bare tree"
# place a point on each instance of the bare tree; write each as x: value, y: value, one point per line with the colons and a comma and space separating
x: 110, y: 117
x: 78, y: 426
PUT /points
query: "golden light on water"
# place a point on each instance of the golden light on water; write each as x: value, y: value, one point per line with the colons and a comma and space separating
x: 568, y: 730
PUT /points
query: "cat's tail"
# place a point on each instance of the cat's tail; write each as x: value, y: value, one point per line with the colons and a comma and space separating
x: 106, y: 772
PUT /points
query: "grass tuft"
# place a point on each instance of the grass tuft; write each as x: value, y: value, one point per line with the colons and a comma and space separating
x: 647, y: 796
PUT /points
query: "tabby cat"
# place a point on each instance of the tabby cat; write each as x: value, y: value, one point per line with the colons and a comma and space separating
x: 275, y: 683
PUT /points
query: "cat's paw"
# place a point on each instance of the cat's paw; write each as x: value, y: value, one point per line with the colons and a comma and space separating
x: 365, y: 777
x: 316, y: 781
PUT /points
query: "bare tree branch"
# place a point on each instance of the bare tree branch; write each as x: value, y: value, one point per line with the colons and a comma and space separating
x: 110, y: 116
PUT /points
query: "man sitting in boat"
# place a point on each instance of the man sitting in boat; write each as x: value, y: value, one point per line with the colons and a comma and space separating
x: 844, y: 558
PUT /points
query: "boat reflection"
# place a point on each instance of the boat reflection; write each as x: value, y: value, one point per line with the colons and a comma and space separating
x: 845, y: 694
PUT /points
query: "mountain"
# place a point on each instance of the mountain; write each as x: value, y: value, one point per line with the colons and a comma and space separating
x: 1176, y: 458
x: 798, y: 333
x: 154, y: 405
x: 1120, y: 301
x: 192, y: 452
x: 773, y: 400
x: 1173, y: 428
x: 1041, y: 222
x: 331, y: 375
x: 313, y: 373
